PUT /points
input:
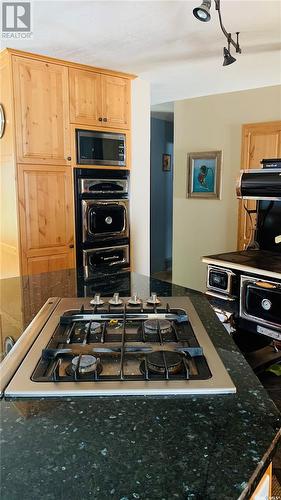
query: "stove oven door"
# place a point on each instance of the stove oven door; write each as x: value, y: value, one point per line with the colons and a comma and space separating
x: 220, y: 280
x: 260, y: 301
x: 102, y: 220
x: 105, y: 260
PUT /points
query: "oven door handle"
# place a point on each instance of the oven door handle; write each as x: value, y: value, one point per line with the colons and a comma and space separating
x: 265, y: 285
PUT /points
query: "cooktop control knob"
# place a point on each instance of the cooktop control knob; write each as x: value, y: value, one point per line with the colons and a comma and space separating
x: 97, y: 301
x: 134, y: 301
x: 115, y: 301
x: 153, y: 300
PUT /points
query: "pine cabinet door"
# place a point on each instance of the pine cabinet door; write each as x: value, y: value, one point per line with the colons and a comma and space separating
x: 116, y: 102
x: 85, y: 97
x: 259, y: 141
x: 46, y: 218
x: 41, y: 112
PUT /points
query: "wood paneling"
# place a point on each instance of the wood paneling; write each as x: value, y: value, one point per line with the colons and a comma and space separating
x: 116, y: 101
x: 69, y: 64
x: 46, y: 217
x: 259, y: 140
x: 9, y: 235
x: 47, y: 264
x: 42, y: 112
x: 85, y: 97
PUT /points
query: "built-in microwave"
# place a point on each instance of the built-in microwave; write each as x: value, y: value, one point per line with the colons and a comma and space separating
x: 100, y: 148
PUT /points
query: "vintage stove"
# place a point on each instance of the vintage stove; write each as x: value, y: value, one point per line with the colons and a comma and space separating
x: 117, y: 346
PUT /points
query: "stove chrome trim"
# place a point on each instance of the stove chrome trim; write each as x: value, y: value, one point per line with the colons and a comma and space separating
x: 242, y: 267
x: 219, y: 296
x: 242, y: 308
x: 85, y: 183
x: 22, y: 386
x: 230, y: 275
x: 16, y: 355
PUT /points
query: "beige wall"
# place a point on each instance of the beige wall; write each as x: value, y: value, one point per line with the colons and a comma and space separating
x: 204, y: 227
x: 140, y: 178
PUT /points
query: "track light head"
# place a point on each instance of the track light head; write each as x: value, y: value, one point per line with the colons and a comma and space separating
x: 203, y: 12
x: 227, y: 57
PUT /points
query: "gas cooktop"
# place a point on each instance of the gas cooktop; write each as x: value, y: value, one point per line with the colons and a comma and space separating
x: 89, y: 347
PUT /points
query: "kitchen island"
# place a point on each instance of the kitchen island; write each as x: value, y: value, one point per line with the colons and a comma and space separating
x: 185, y: 447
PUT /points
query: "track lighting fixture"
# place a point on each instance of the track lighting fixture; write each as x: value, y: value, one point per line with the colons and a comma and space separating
x: 227, y: 57
x: 203, y: 14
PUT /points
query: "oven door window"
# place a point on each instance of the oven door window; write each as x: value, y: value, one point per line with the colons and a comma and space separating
x: 263, y: 303
x: 218, y: 279
x: 107, y: 219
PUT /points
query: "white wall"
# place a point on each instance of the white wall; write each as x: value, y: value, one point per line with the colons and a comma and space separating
x: 140, y: 178
x: 204, y: 227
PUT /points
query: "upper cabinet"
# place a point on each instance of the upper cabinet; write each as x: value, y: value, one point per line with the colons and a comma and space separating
x: 116, y: 101
x: 99, y: 100
x: 85, y: 97
x: 41, y: 111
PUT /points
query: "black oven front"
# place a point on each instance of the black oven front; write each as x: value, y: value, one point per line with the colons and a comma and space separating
x: 260, y: 306
x: 104, y: 260
x: 102, y: 221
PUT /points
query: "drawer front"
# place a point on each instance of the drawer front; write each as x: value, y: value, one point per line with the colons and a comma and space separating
x: 105, y: 260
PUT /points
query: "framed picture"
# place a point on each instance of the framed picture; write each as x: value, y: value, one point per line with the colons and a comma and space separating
x: 204, y: 175
x: 166, y: 163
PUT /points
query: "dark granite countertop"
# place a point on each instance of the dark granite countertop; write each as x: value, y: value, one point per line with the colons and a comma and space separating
x: 256, y: 261
x: 125, y: 448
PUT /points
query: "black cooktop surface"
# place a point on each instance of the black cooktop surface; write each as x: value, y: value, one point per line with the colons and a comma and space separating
x: 258, y: 259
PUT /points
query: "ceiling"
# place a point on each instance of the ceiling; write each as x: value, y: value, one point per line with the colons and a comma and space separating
x: 162, y: 42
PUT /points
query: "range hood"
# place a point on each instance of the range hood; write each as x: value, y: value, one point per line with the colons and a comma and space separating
x: 261, y: 184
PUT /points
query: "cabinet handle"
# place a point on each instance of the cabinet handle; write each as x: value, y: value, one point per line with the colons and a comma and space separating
x: 71, y: 245
x: 100, y: 119
x: 105, y: 119
x: 69, y: 158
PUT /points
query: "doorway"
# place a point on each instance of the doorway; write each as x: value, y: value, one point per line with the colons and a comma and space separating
x: 161, y: 190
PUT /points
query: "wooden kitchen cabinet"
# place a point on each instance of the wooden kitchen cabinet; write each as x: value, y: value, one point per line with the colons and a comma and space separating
x: 116, y: 102
x: 45, y: 217
x: 259, y: 141
x: 99, y: 100
x: 41, y: 111
x: 85, y: 97
x: 44, y: 99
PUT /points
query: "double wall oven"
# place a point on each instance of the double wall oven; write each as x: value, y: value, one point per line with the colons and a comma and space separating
x: 102, y: 221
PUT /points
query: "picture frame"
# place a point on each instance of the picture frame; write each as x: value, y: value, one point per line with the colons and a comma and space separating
x: 204, y: 175
x: 166, y: 162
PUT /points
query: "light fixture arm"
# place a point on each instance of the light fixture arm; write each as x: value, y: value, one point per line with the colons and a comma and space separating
x: 226, y: 34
